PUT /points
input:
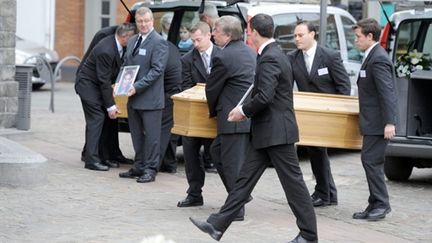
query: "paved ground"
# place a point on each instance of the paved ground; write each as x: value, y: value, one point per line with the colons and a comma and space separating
x: 79, y: 205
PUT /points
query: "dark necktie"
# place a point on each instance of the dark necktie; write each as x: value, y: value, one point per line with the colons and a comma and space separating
x: 123, y: 53
x: 135, y: 50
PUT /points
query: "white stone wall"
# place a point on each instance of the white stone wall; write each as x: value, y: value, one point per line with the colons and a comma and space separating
x: 8, y: 85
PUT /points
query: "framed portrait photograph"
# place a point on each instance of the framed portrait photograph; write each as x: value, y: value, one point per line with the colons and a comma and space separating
x: 125, y: 79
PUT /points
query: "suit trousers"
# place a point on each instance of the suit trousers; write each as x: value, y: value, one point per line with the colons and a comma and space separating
x: 228, y: 152
x: 325, y: 186
x: 145, y: 129
x: 94, y: 116
x: 109, y: 147
x: 194, y: 166
x: 285, y: 161
x: 168, y: 141
x: 372, y: 157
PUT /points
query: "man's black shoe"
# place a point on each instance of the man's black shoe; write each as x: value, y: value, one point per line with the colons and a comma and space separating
x: 190, y: 202
x: 211, y: 170
x: 111, y: 163
x: 131, y: 173
x: 377, y: 214
x: 146, y: 178
x: 239, y: 218
x: 123, y: 160
x: 207, y: 228
x: 363, y: 214
x: 300, y: 239
x: 96, y: 166
x: 318, y: 201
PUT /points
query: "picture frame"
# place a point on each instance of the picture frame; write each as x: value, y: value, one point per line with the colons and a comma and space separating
x: 125, y: 80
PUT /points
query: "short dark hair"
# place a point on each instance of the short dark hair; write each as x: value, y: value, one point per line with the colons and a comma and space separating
x: 122, y: 29
x: 310, y: 26
x: 369, y: 26
x: 203, y: 26
x: 263, y: 24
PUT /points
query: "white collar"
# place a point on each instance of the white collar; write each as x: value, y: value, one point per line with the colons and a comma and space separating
x: 261, y: 48
x: 369, y: 50
x: 311, y: 52
x: 119, y: 47
x: 209, y: 50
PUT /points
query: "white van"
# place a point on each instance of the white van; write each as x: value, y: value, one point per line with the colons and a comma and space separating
x: 339, y: 35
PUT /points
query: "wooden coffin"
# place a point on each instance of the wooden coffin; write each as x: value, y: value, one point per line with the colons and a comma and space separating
x: 191, y: 114
x: 327, y: 120
x: 121, y: 103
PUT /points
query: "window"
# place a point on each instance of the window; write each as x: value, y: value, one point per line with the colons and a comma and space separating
x: 406, y: 37
x: 353, y: 52
x: 184, y: 41
x: 105, y: 13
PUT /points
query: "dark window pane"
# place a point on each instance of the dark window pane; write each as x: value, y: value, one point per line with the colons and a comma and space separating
x: 105, y: 22
x: 105, y: 8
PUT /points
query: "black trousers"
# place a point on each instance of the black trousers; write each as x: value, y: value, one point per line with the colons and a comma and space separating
x: 372, y: 157
x: 168, y: 141
x: 194, y: 166
x: 285, y: 161
x: 94, y: 117
x: 325, y: 186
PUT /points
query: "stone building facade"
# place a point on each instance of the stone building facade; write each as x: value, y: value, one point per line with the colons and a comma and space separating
x: 8, y: 85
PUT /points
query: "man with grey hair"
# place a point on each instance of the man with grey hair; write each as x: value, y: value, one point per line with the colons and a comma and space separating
x: 209, y: 14
x: 146, y: 96
x: 232, y: 73
x: 165, y: 23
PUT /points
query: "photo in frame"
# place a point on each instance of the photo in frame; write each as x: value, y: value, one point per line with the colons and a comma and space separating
x: 125, y: 79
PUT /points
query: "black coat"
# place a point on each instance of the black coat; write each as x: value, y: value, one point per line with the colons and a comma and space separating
x: 99, y: 72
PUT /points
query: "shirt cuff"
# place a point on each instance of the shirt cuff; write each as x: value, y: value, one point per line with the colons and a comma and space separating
x: 241, y: 110
x: 114, y: 107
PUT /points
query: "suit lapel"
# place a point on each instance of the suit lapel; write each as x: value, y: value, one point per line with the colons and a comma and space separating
x: 315, y: 63
x: 117, y: 54
x: 198, y: 63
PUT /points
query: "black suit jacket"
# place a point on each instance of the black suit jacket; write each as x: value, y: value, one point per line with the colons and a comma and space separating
x: 271, y: 108
x: 173, y: 69
x: 332, y: 77
x: 377, y: 93
x: 99, y: 72
x: 231, y: 75
x: 101, y: 34
x: 193, y: 68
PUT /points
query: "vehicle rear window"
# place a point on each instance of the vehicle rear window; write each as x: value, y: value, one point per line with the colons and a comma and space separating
x: 414, y: 34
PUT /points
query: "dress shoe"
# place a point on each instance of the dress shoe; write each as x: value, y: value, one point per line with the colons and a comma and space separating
x: 363, y: 214
x: 146, y: 178
x: 131, y: 173
x: 111, y: 163
x: 207, y: 228
x: 319, y: 202
x: 239, y: 218
x: 96, y: 166
x: 123, y: 160
x: 190, y: 202
x: 377, y: 214
x: 300, y: 239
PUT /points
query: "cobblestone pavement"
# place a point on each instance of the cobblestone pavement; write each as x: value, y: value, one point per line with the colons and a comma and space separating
x: 79, y: 205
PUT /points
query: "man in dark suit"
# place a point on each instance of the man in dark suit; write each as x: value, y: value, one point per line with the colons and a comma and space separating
x: 109, y: 147
x: 378, y: 115
x: 146, y: 97
x: 232, y: 73
x: 274, y: 132
x: 318, y: 69
x: 196, y: 68
x: 172, y: 86
x: 93, y: 85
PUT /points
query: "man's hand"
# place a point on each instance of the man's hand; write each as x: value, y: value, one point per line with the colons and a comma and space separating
x: 113, y: 113
x: 131, y: 91
x: 389, y: 131
x: 235, y: 115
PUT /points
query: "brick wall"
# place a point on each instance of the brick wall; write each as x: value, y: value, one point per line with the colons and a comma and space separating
x: 69, y: 28
x: 8, y: 85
